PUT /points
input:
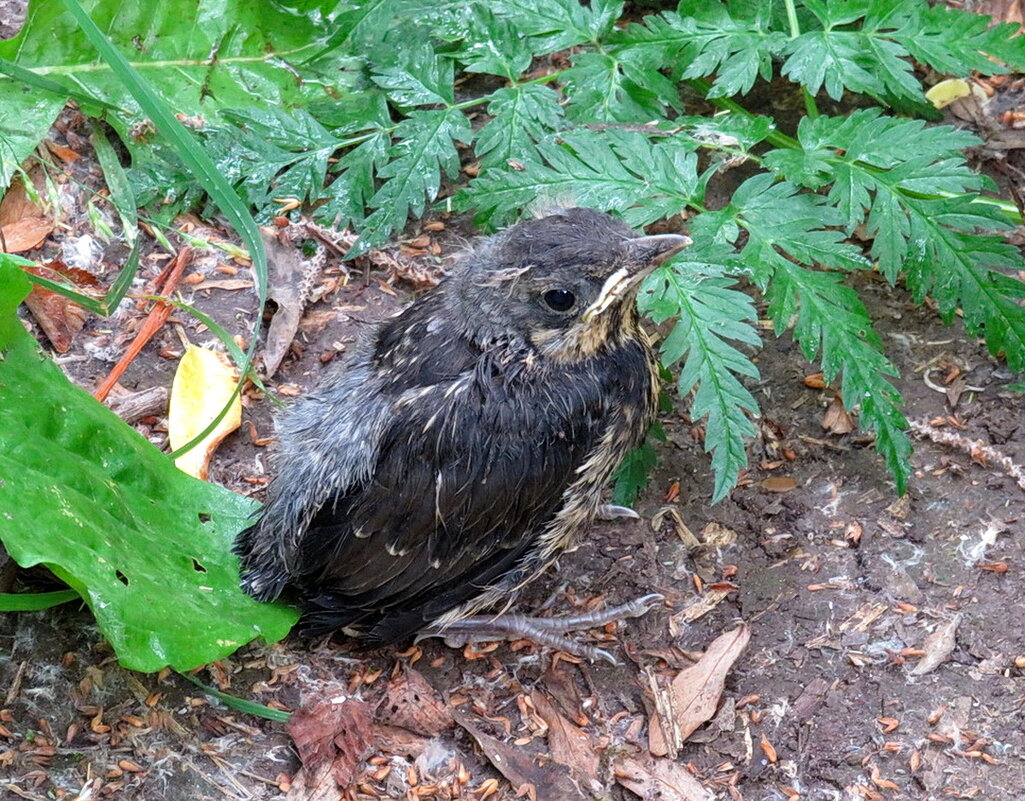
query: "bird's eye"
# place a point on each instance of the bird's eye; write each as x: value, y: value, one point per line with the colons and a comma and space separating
x: 560, y: 300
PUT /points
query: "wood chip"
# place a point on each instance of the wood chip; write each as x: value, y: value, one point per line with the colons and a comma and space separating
x: 938, y: 646
x: 692, y: 697
x: 660, y: 779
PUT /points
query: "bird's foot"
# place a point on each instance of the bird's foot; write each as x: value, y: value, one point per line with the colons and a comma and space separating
x: 609, y: 511
x: 544, y: 630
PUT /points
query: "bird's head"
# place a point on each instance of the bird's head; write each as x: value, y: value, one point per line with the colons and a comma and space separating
x: 566, y: 283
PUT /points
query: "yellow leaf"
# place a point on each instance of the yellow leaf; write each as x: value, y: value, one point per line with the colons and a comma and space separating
x: 202, y: 386
x: 946, y: 92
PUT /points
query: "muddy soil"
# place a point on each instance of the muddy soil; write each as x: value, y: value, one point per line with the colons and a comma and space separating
x: 841, y: 582
x: 887, y: 651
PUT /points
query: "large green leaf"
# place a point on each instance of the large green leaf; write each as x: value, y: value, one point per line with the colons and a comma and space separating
x: 146, y: 546
x: 201, y: 56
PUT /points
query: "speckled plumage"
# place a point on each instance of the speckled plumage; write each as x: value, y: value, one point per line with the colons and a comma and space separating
x: 466, y: 441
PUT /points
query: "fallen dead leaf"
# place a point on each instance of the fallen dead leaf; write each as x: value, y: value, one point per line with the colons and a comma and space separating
x: 565, y: 692
x: 693, y: 695
x: 937, y: 646
x: 570, y: 745
x: 24, y: 234
x: 716, y: 535
x: 660, y: 779
x: 203, y: 384
x: 411, y: 703
x: 288, y: 286
x: 837, y: 420
x: 314, y: 785
x: 59, y: 317
x: 710, y: 599
x: 552, y: 781
x: 778, y: 484
x: 333, y: 729
x: 17, y: 203
x: 396, y: 740
x: 65, y: 154
x: 681, y: 528
x: 23, y: 224
x: 946, y: 92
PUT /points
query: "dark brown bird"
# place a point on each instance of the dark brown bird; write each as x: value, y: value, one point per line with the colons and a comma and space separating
x: 467, y: 441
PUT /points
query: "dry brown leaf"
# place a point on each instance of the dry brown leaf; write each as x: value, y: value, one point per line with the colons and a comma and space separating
x: 24, y: 234
x: 315, y: 785
x: 704, y: 604
x: 59, y: 317
x: 778, y: 484
x: 570, y: 745
x: 837, y: 420
x: 23, y: 225
x: 287, y: 287
x: 411, y: 703
x: 203, y: 384
x: 16, y: 202
x: 227, y: 283
x: 937, y: 646
x: 552, y: 781
x: 332, y: 729
x: 560, y: 685
x: 65, y: 154
x: 692, y: 697
x: 663, y: 779
x: 396, y: 740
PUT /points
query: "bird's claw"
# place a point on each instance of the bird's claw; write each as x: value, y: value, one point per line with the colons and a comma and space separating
x: 609, y: 511
x: 545, y: 630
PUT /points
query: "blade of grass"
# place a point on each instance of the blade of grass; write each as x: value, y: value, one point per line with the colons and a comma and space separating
x: 121, y: 193
x: 29, y: 78
x: 226, y: 339
x: 35, y: 601
x: 240, y: 704
x: 95, y: 306
x: 204, y: 171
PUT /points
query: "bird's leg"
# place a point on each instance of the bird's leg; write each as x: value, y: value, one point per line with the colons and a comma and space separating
x: 543, y: 630
x: 609, y: 511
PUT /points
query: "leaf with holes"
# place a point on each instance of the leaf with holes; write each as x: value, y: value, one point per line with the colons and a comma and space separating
x: 147, y: 547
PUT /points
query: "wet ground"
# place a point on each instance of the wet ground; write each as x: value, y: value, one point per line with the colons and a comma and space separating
x: 886, y: 652
x: 847, y: 589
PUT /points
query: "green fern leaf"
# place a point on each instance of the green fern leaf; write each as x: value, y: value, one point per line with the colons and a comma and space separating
x: 424, y: 148
x: 521, y: 116
x: 709, y: 315
x: 832, y: 323
x: 610, y: 170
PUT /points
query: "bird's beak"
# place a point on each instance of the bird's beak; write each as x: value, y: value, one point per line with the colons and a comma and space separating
x: 645, y: 254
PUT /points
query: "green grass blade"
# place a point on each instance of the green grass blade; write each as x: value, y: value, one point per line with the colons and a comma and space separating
x: 35, y: 601
x: 204, y: 171
x: 240, y: 704
x: 93, y: 305
x: 29, y: 78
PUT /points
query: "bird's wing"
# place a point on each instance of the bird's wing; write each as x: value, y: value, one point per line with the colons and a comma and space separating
x: 468, y: 472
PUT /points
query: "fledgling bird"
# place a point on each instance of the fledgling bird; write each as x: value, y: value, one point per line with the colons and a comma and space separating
x: 467, y: 441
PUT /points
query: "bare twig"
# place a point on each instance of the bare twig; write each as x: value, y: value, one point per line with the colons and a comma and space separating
x: 978, y: 450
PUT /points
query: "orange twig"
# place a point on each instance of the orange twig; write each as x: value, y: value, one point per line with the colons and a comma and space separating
x: 154, y: 321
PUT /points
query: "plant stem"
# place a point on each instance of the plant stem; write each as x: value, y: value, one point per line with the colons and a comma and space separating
x: 795, y: 28
x: 777, y: 138
x: 810, y: 107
